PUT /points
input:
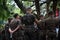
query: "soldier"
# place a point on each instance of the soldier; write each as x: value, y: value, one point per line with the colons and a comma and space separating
x: 28, y: 20
x: 51, y: 26
x: 41, y: 18
x: 5, y: 32
x: 59, y: 32
x: 21, y: 31
x: 7, y: 28
x: 48, y: 26
x: 41, y: 26
x: 15, y: 27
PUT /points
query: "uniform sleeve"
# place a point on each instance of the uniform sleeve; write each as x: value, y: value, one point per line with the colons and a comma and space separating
x: 13, y: 24
x: 19, y: 23
x: 33, y: 17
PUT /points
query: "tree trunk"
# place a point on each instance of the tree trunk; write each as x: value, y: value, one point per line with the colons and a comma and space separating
x: 54, y: 6
x: 37, y: 7
x: 48, y: 3
x: 20, y: 5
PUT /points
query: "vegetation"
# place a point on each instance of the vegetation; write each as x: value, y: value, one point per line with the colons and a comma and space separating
x: 9, y: 7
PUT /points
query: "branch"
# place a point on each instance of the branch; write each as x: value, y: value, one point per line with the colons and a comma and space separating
x: 43, y: 3
x: 20, y: 5
x: 40, y: 4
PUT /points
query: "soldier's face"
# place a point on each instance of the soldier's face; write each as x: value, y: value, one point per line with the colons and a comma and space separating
x: 41, y: 17
x: 29, y: 11
x: 18, y: 17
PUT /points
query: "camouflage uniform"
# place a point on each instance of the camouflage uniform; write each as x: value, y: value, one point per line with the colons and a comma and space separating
x: 17, y: 34
x: 7, y: 31
x: 28, y: 20
x: 51, y: 28
x: 41, y: 30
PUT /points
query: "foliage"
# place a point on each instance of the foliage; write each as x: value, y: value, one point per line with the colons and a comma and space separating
x: 1, y: 27
x: 58, y: 5
x: 12, y: 7
x: 3, y: 13
x: 27, y: 3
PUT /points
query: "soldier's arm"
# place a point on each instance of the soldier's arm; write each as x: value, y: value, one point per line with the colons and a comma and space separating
x: 38, y: 21
x: 16, y: 28
x: 19, y: 25
x: 10, y: 30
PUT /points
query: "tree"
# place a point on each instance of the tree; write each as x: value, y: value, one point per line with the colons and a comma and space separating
x: 48, y: 3
x: 54, y: 6
x: 20, y: 5
x: 37, y: 7
x: 4, y: 12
